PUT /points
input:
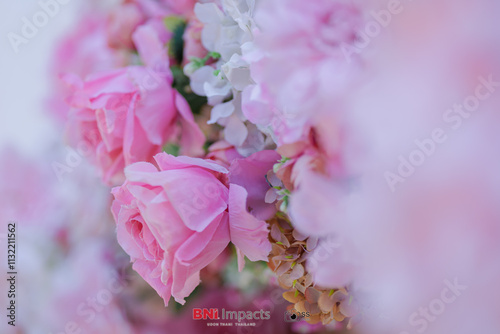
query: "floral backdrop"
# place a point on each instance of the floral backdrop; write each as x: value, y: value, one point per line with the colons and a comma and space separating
x: 312, y: 166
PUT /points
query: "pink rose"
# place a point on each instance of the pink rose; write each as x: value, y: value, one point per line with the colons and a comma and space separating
x: 125, y: 18
x: 223, y: 152
x: 85, y: 50
x: 127, y: 115
x: 121, y: 24
x: 176, y: 219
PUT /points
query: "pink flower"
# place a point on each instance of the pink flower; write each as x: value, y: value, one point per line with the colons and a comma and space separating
x: 121, y: 24
x: 192, y: 40
x: 223, y: 152
x: 319, y: 172
x: 250, y: 173
x: 298, y: 63
x: 182, y: 7
x: 127, y: 115
x: 82, y: 52
x: 125, y: 18
x: 425, y: 245
x: 86, y: 49
x: 175, y: 220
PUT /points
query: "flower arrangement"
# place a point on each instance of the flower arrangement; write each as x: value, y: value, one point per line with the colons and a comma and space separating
x: 277, y: 132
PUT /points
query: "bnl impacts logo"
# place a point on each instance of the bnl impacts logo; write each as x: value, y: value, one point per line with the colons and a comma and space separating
x: 204, y: 314
x: 294, y: 315
x: 213, y: 314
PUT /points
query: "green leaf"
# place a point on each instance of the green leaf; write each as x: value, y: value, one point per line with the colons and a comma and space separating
x: 173, y: 22
x: 172, y: 149
x: 177, y: 26
x: 212, y: 54
x: 196, y: 62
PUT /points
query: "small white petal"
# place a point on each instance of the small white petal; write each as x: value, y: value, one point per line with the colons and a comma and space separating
x: 235, y: 132
x: 222, y: 110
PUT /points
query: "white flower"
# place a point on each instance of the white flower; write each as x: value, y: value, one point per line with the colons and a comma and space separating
x: 225, y: 31
x: 228, y: 31
x: 205, y: 82
x: 237, y: 71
